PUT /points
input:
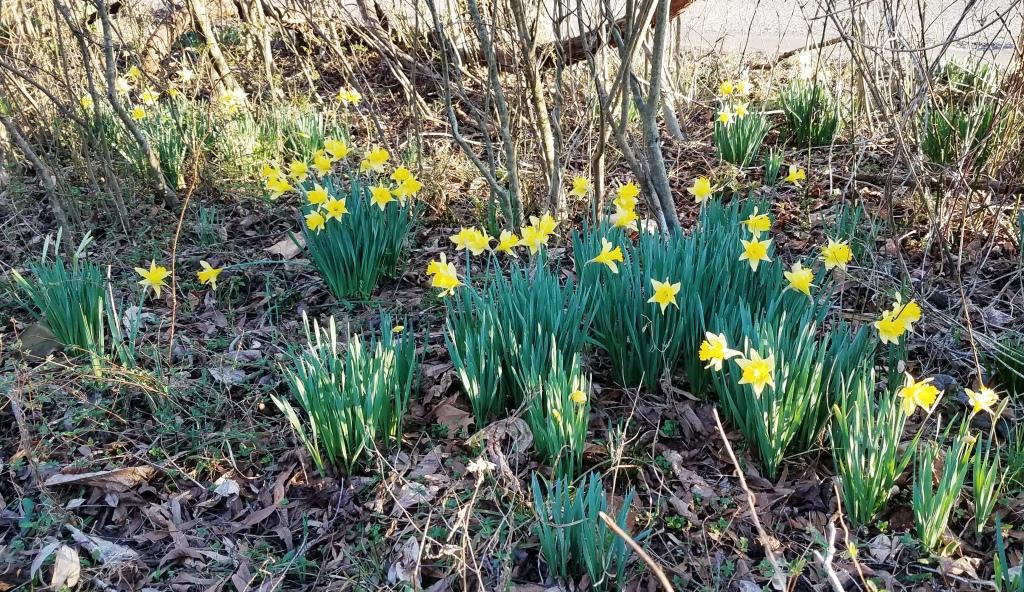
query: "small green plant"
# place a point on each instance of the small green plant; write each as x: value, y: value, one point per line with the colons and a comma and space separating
x: 558, y: 412
x: 866, y: 437
x: 207, y: 223
x: 67, y: 298
x: 573, y: 539
x: 1006, y: 578
x: 352, y: 253
x: 951, y: 132
x: 772, y: 166
x: 643, y: 342
x: 987, y: 481
x: 811, y: 113
x: 739, y: 139
x: 474, y: 348
x: 933, y: 501
x: 806, y: 369
x: 354, y: 395
x: 1008, y: 363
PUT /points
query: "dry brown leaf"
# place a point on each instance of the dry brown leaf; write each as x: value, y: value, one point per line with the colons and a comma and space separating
x: 455, y: 419
x: 406, y: 562
x: 66, y: 568
x: 116, y: 480
x: 288, y: 247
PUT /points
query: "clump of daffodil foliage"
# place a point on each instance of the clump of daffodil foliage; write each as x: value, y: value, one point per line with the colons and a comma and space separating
x: 574, y: 541
x: 354, y: 394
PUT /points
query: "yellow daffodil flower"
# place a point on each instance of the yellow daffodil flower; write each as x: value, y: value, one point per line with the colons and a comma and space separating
x: 580, y: 187
x: 315, y: 221
x: 758, y: 223
x: 278, y: 186
x: 545, y: 224
x: 86, y: 102
x: 381, y: 196
x: 134, y: 73
x: 401, y: 174
x: 298, y: 170
x: 796, y: 174
x: 608, y: 256
x: 725, y: 116
x: 336, y: 208
x: 908, y: 313
x: 836, y: 254
x: 149, y: 97
x: 154, y: 277
x: 437, y: 266
x: 742, y: 88
x: 701, y: 189
x: 337, y: 149
x: 173, y: 92
x: 407, y: 188
x: 726, y: 88
x: 890, y: 329
x: 624, y: 218
x: 532, y: 238
x: 755, y: 251
x: 758, y: 372
x: 627, y: 196
x: 507, y: 242
x: 138, y: 113
x: 579, y: 397
x: 321, y: 162
x: 375, y: 160
x: 471, y: 239
x: 715, y: 351
x: 799, y: 278
x: 984, y: 399
x: 741, y: 110
x: 269, y: 171
x: 349, y: 96
x: 318, y: 196
x: 914, y: 394
x: 664, y: 293
x: 443, y: 275
x: 208, y: 274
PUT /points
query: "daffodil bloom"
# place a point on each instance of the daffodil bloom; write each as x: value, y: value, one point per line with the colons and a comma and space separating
x: 532, y: 238
x: 278, y: 186
x: 908, y: 313
x: 726, y: 88
x: 381, y: 196
x: 758, y: 223
x: 401, y: 174
x: 336, y: 208
x: 154, y: 277
x: 725, y: 116
x: 507, y: 242
x: 715, y: 351
x: 318, y: 195
x: 321, y: 162
x: 836, y: 254
x: 375, y: 160
x: 269, y: 171
x: 799, y: 278
x: 138, y: 113
x: 624, y: 218
x: 149, y: 97
x: 398, y: 329
x: 443, y: 275
x: 914, y: 394
x: 984, y: 399
x: 349, y: 96
x: 298, y: 170
x: 627, y: 196
x: 315, y: 221
x: 580, y: 186
x: 337, y: 149
x: 545, y: 224
x: 758, y: 372
x: 579, y: 397
x: 86, y: 102
x: 122, y: 86
x: 700, y: 190
x: 134, y: 73
x: 664, y: 293
x: 407, y: 189
x: 890, y: 329
x: 608, y: 256
x: 208, y: 274
x: 741, y: 110
x: 172, y: 92
x: 796, y: 174
x: 471, y: 239
x: 742, y: 88
x: 755, y: 251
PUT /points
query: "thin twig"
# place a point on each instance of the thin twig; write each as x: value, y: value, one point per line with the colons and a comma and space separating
x: 779, y: 578
x: 658, y: 572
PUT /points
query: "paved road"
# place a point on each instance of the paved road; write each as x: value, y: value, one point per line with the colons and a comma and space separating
x: 780, y: 25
